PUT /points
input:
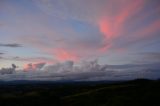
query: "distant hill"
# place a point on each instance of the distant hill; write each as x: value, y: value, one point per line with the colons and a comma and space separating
x: 30, y: 82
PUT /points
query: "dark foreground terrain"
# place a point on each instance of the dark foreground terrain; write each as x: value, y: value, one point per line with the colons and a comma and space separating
x: 131, y: 93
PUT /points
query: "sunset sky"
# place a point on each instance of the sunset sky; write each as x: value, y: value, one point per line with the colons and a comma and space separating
x: 79, y: 39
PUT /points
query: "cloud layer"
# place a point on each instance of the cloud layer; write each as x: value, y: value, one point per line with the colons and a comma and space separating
x: 86, y: 71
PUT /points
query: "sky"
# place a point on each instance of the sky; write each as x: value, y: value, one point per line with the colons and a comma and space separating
x: 79, y: 39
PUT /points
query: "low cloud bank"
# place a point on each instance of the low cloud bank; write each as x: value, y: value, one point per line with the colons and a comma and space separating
x: 9, y: 70
x: 85, y: 71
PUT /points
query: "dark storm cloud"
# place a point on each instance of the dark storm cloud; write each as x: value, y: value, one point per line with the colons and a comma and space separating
x: 12, y: 45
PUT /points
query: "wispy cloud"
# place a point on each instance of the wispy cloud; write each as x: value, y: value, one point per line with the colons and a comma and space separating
x: 12, y: 45
x: 148, y: 57
x: 29, y: 59
x: 1, y: 53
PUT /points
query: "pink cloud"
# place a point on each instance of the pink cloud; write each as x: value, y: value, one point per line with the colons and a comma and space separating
x: 113, y: 25
x: 33, y: 67
x: 106, y: 27
x: 63, y: 55
x: 128, y: 10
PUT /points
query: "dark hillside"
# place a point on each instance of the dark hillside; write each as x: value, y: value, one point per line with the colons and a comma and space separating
x: 132, y: 93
